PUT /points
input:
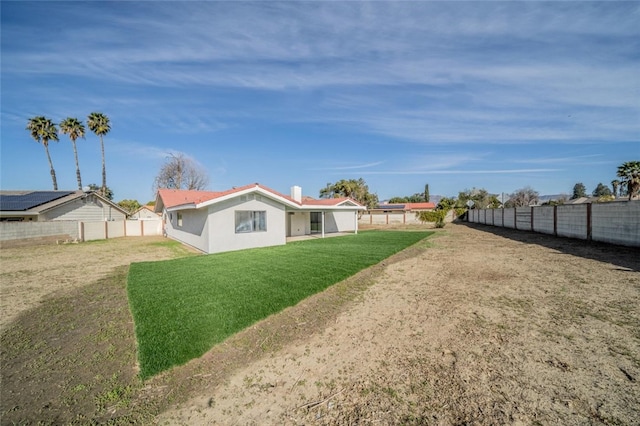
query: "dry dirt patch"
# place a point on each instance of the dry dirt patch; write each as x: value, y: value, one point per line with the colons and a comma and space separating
x: 29, y: 275
x: 476, y: 325
x: 478, y: 329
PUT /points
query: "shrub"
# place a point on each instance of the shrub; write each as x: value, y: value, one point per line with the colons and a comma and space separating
x: 436, y: 216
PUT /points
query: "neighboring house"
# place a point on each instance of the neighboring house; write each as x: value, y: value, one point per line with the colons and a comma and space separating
x: 145, y: 213
x: 42, y: 206
x: 250, y: 216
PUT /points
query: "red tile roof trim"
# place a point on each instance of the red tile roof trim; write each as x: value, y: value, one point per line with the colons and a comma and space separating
x: 179, y: 197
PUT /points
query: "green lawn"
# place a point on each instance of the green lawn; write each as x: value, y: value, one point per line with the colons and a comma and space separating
x: 183, y: 307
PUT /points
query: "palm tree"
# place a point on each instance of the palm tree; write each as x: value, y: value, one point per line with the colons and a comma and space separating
x: 43, y: 130
x: 615, y: 184
x: 629, y: 173
x: 75, y: 129
x: 99, y: 124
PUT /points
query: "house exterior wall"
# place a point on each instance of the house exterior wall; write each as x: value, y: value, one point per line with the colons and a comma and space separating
x: 145, y: 214
x: 222, y: 235
x: 298, y: 224
x: 193, y: 230
x: 89, y: 209
x: 339, y: 221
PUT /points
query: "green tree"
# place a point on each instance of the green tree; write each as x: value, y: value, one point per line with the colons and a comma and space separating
x: 352, y: 188
x: 426, y: 193
x: 629, y: 174
x: 43, y: 130
x: 479, y: 197
x: 99, y: 124
x: 579, y: 191
x: 398, y: 200
x: 615, y: 184
x: 494, y: 203
x: 601, y: 190
x: 108, y: 193
x: 129, y: 205
x: 75, y: 129
x: 446, y: 204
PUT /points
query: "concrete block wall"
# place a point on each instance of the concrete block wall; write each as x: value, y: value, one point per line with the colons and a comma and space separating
x: 116, y: 229
x: 523, y: 218
x: 572, y: 221
x: 617, y: 223
x: 543, y: 219
x: 25, y: 230
x: 93, y: 231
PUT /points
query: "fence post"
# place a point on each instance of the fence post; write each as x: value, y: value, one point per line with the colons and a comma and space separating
x: 555, y: 220
x: 515, y: 218
x: 124, y: 223
x: 532, y: 230
x: 106, y: 230
x: 142, y: 228
x: 588, y: 221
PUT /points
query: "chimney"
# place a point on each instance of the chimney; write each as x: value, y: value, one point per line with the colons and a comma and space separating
x: 296, y: 193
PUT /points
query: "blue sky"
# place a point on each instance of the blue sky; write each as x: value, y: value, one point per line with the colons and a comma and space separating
x: 494, y: 95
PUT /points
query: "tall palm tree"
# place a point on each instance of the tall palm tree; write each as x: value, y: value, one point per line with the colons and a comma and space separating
x: 629, y: 173
x: 43, y: 130
x: 615, y: 184
x: 75, y: 129
x: 99, y: 124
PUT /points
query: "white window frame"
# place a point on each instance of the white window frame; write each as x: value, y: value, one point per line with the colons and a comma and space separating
x: 247, y: 221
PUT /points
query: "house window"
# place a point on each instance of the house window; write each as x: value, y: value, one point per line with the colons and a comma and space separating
x: 248, y: 221
x: 179, y: 219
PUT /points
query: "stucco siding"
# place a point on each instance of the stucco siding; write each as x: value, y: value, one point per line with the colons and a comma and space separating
x: 298, y: 224
x: 192, y: 230
x: 340, y: 221
x: 222, y: 234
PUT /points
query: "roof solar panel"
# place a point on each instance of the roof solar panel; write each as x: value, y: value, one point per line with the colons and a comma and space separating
x: 28, y: 201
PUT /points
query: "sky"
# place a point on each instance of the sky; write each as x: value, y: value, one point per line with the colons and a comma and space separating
x: 457, y: 95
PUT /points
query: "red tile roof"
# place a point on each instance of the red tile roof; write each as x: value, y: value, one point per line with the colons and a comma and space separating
x: 419, y: 206
x: 174, y: 197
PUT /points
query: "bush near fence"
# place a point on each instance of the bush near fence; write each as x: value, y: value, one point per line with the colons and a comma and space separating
x: 14, y: 234
x: 613, y: 222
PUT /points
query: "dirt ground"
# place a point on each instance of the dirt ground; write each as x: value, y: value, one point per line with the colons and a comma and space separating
x: 475, y: 325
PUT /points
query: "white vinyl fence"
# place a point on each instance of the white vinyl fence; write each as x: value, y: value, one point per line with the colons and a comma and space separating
x: 614, y: 222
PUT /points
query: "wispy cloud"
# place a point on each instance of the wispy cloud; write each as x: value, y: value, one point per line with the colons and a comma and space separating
x: 460, y: 171
x: 351, y: 167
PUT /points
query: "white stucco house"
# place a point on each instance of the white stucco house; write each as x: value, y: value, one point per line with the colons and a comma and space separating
x: 250, y: 216
x: 145, y: 213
